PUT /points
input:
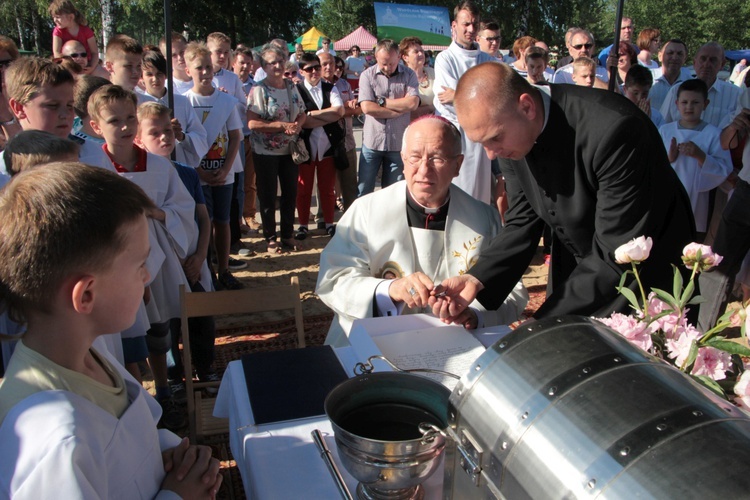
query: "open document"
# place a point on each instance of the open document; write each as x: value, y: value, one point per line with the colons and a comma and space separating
x: 421, y: 341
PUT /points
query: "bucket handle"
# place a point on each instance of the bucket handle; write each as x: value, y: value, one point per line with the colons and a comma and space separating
x: 367, y: 367
x: 430, y: 432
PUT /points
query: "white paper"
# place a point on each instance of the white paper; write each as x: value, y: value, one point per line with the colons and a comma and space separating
x: 449, y: 348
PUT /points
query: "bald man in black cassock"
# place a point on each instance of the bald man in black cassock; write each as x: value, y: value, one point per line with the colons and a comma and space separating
x: 588, y: 163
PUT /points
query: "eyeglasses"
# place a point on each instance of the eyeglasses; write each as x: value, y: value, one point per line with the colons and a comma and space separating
x: 4, y: 64
x: 290, y: 73
x: 492, y: 39
x: 78, y: 54
x: 582, y: 45
x: 415, y: 161
x: 311, y: 68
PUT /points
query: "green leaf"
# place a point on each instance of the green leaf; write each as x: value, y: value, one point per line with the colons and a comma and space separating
x: 630, y: 295
x: 677, y: 284
x: 672, y: 301
x: 622, y: 280
x: 688, y: 293
x: 691, y: 356
x: 698, y: 299
x: 710, y: 384
x: 729, y: 346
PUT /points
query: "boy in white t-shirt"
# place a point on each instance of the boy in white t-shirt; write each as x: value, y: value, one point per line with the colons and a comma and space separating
x: 218, y: 113
x: 73, y: 423
x: 181, y: 82
x: 191, y: 136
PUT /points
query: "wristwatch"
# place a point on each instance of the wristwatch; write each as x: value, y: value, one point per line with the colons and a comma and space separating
x: 381, y: 102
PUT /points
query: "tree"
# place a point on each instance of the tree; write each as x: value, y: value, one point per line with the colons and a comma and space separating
x: 338, y: 18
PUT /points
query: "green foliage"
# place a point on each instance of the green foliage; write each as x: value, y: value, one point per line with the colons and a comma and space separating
x: 693, y: 21
x: 253, y: 23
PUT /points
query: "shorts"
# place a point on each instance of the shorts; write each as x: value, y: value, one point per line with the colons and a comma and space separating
x: 218, y: 202
x: 158, y: 339
x: 134, y: 349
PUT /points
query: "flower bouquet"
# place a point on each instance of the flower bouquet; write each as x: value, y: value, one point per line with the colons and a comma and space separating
x: 659, y: 324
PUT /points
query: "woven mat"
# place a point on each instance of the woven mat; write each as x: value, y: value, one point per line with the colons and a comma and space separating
x: 233, y: 343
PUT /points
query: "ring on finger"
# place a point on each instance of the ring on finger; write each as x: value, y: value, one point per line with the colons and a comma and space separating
x: 412, y: 291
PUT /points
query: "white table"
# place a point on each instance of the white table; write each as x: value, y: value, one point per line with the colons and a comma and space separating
x: 280, y: 460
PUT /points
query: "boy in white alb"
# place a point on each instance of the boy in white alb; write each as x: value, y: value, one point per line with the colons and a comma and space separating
x: 73, y: 423
x: 218, y: 113
x: 171, y: 224
x: 191, y: 144
x: 694, y: 148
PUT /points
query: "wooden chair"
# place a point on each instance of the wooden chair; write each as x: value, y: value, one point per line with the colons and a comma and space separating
x: 272, y: 298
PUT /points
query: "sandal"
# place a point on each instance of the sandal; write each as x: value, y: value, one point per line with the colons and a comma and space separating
x: 273, y: 247
x: 290, y: 245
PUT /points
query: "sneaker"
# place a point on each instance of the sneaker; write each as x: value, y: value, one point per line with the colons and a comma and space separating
x: 172, y: 415
x: 179, y: 394
x: 245, y: 252
x: 321, y: 224
x: 210, y: 377
x: 331, y: 230
x: 229, y: 282
x: 301, y: 233
x: 236, y: 264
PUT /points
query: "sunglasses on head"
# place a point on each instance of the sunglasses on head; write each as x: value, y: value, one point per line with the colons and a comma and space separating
x: 582, y: 45
x: 78, y: 54
x: 315, y: 67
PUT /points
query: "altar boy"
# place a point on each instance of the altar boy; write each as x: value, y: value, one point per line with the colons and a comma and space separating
x: 172, y: 227
x: 73, y: 424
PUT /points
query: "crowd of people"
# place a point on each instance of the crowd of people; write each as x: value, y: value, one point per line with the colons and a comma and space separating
x: 476, y: 161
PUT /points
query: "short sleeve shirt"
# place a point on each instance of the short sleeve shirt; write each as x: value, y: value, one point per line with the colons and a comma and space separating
x: 385, y: 134
x: 273, y: 104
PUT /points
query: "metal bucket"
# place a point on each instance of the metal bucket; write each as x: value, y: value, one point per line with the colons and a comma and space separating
x: 566, y: 408
x: 389, y: 431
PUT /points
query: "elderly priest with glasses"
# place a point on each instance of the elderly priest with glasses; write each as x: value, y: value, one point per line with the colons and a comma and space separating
x: 393, y: 247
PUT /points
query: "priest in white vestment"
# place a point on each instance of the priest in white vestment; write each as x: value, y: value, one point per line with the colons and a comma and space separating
x: 393, y: 246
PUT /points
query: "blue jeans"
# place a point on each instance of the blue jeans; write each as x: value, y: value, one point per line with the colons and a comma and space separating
x: 369, y: 164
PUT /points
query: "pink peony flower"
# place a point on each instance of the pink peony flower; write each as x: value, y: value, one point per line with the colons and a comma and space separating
x: 712, y: 362
x: 678, y: 347
x: 742, y: 389
x: 668, y: 323
x: 703, y: 255
x: 633, y: 329
x: 635, y: 250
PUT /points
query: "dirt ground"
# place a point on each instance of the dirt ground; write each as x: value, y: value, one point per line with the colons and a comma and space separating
x: 265, y: 269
